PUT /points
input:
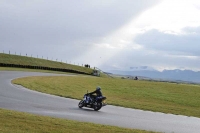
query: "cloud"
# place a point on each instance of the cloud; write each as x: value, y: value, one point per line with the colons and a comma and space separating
x: 65, y: 20
x: 158, y: 60
x: 185, y: 44
x: 64, y: 29
x: 161, y: 50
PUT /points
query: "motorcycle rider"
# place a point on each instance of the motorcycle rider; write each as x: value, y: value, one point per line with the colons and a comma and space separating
x: 98, y: 93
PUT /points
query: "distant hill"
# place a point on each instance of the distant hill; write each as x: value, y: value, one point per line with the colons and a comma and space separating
x: 171, y: 75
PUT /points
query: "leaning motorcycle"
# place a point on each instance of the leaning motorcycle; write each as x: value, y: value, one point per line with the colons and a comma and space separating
x: 90, y: 101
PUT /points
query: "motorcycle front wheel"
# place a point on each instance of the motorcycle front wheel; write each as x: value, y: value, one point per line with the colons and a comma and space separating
x: 81, y: 104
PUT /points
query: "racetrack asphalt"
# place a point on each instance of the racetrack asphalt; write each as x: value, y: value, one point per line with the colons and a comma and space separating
x: 18, y: 98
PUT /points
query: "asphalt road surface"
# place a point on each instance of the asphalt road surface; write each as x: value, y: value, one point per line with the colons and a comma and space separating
x: 15, y: 97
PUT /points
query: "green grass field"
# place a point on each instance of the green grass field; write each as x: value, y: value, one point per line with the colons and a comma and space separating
x: 182, y: 99
x: 18, y: 122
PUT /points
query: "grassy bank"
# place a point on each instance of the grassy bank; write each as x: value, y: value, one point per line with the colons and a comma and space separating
x: 172, y: 98
x: 24, y: 60
x: 17, y: 122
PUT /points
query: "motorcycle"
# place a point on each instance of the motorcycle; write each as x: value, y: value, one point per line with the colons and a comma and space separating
x: 91, y: 101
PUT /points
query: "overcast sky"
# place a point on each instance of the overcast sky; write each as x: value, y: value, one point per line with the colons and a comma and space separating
x: 109, y: 34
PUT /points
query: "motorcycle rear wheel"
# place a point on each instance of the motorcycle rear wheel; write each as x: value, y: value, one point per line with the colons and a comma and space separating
x: 97, y: 106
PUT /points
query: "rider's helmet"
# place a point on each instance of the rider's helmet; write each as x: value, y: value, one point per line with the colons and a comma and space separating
x: 98, y: 88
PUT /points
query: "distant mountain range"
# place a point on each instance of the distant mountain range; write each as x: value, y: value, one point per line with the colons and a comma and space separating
x: 172, y: 75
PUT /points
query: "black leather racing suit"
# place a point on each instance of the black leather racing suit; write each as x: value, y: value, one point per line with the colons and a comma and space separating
x: 98, y: 94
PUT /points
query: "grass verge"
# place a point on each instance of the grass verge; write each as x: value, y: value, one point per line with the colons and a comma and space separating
x: 181, y: 99
x: 18, y: 122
